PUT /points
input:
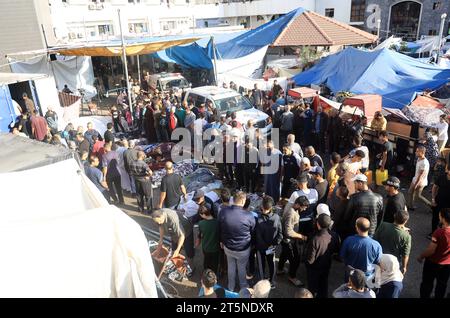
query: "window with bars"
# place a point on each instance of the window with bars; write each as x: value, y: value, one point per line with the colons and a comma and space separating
x: 358, y: 10
x: 105, y: 29
x: 329, y: 12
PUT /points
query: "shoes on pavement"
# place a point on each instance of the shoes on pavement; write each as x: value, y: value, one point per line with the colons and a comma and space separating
x: 296, y: 282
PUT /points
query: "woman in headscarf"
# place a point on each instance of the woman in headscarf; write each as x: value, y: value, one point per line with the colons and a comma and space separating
x: 432, y: 149
x: 388, y: 277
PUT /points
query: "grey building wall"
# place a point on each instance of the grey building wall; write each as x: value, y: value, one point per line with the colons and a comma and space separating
x: 20, y: 29
x: 430, y: 19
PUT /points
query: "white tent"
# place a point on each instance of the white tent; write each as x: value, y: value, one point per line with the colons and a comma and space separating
x: 75, y: 71
x: 59, y: 237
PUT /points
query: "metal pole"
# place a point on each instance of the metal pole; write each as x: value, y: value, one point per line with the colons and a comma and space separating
x: 139, y: 69
x: 215, y: 61
x: 378, y: 31
x: 441, y: 33
x: 50, y: 62
x: 125, y: 64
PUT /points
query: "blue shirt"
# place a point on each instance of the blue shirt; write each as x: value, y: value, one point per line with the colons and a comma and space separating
x: 96, y: 176
x: 361, y: 253
x: 236, y: 227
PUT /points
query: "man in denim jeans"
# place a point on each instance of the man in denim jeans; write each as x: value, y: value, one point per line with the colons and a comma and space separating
x: 236, y: 227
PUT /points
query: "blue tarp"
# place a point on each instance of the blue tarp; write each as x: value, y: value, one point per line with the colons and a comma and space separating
x: 394, y: 76
x: 256, y: 39
x: 228, y: 45
x: 191, y: 56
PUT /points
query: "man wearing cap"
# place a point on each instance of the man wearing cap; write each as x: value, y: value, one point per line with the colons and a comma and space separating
x: 355, y: 288
x: 395, y: 200
x: 290, y: 169
x: 289, y: 248
x: 305, y: 167
x: 319, y: 252
x: 363, y: 203
x: 321, y: 185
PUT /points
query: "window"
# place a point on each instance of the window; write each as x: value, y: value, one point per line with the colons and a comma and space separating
x: 358, y: 10
x: 105, y: 29
x: 437, y: 5
x: 197, y: 100
x: 139, y: 27
x: 432, y: 32
x: 329, y: 12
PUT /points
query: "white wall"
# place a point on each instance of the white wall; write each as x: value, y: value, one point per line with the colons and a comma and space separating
x: 75, y: 14
x: 20, y: 29
x: 342, y: 8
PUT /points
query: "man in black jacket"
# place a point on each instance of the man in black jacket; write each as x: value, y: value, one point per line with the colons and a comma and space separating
x: 319, y: 254
x: 364, y: 203
x: 320, y: 129
x: 269, y: 234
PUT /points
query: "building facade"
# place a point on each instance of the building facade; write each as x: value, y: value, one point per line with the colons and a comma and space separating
x: 410, y: 19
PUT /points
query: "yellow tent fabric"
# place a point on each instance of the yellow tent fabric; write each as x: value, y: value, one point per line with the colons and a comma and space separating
x: 131, y: 49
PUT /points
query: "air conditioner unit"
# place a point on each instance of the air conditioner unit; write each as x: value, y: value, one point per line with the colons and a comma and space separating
x: 92, y: 7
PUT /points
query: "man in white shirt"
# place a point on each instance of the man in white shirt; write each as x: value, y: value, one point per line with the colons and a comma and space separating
x: 357, y: 142
x: 294, y: 146
x: 442, y: 128
x: 420, y: 179
x: 303, y: 190
x: 307, y: 217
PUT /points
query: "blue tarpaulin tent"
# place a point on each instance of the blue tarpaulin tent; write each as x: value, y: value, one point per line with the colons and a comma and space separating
x: 191, y: 56
x: 228, y: 46
x: 392, y: 75
x: 256, y: 39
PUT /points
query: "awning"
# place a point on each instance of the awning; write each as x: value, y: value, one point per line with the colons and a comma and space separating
x: 368, y: 103
x: 134, y: 46
x: 302, y: 92
x: 327, y: 103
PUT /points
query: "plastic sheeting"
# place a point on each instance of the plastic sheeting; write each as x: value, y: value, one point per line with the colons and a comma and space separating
x: 256, y: 39
x: 192, y: 56
x: 64, y: 240
x: 75, y: 71
x: 183, y: 168
x: 425, y: 116
x: 395, y: 76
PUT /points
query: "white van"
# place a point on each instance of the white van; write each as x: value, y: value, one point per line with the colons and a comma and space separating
x: 225, y: 100
x: 164, y: 82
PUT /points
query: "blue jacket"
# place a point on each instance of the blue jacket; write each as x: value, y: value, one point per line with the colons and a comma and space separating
x: 236, y: 228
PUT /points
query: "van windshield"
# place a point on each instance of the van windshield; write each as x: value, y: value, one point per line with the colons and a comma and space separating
x: 168, y: 84
x: 232, y: 104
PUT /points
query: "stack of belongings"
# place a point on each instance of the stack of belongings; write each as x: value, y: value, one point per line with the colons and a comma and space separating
x: 160, y: 153
x: 200, y: 179
x: 183, y: 168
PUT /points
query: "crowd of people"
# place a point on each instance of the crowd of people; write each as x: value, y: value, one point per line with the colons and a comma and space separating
x: 313, y: 212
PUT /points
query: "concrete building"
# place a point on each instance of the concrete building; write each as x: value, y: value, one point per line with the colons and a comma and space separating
x: 407, y: 19
x: 68, y: 21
